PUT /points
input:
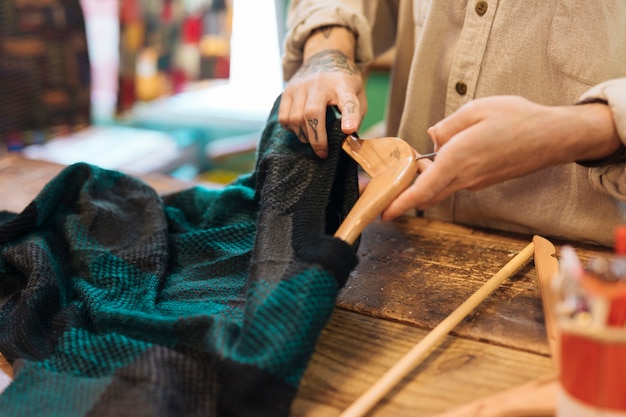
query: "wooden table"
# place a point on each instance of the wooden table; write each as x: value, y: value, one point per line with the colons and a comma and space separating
x: 412, y: 273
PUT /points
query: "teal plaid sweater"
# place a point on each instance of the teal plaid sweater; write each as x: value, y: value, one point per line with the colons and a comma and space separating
x: 118, y: 302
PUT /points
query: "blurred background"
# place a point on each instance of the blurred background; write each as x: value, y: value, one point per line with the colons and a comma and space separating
x: 180, y: 87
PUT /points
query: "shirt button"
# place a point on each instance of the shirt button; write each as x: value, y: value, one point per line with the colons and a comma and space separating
x: 481, y: 8
x: 461, y: 88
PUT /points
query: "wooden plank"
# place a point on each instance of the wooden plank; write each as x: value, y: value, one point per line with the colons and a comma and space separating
x: 355, y: 350
x: 22, y: 179
x: 418, y: 271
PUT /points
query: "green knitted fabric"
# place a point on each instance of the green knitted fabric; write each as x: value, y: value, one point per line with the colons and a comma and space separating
x: 117, y: 302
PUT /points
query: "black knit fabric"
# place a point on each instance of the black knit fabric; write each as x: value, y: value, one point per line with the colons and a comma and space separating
x: 117, y: 302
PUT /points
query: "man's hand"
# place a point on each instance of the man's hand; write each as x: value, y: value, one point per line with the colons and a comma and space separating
x: 493, y: 139
x: 328, y: 77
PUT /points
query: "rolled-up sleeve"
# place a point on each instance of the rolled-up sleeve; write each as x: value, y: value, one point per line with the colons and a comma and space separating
x: 611, y: 178
x: 306, y: 15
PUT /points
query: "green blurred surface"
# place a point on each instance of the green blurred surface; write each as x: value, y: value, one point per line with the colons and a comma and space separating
x: 376, y: 89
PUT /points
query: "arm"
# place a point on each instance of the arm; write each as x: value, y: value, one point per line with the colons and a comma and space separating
x: 328, y: 76
x: 328, y: 44
x: 494, y: 139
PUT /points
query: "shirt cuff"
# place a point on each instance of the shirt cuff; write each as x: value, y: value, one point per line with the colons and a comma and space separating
x: 609, y: 179
x: 616, y: 157
x: 613, y: 92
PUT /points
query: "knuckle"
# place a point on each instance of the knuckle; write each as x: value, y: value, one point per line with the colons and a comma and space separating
x: 311, y: 111
x: 349, y: 97
x: 294, y: 120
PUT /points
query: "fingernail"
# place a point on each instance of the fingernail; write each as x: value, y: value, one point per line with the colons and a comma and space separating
x: 433, y: 135
x: 349, y: 125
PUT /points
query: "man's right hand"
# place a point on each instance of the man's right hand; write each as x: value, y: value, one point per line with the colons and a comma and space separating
x: 328, y: 77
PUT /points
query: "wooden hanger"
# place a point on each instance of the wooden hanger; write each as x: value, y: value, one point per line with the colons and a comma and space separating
x: 392, y: 165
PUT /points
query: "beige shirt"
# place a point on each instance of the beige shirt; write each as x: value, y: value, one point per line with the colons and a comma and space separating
x: 553, y: 52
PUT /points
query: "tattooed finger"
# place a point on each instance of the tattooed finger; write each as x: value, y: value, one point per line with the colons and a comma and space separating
x: 302, y: 135
x: 313, y: 124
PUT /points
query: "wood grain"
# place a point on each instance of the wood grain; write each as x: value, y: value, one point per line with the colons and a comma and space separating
x: 355, y: 350
x: 537, y: 398
x: 417, y: 271
x: 424, y: 347
x: 22, y: 179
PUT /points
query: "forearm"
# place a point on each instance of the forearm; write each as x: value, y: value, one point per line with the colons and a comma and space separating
x: 307, y: 16
x: 614, y: 93
x: 590, y: 134
x: 330, y: 38
x: 326, y: 75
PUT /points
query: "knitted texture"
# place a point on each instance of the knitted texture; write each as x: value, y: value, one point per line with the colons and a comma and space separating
x: 117, y: 302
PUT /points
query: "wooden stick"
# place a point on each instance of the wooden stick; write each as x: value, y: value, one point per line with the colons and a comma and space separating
x: 419, y: 352
x: 547, y: 265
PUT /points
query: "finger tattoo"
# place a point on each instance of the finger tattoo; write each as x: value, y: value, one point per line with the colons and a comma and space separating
x: 350, y: 107
x: 313, y: 124
x: 302, y: 134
